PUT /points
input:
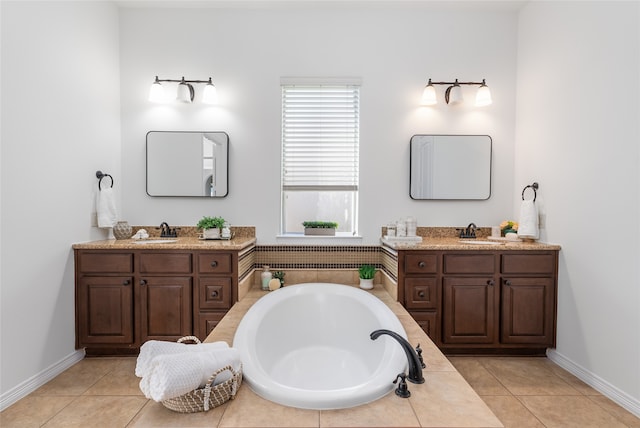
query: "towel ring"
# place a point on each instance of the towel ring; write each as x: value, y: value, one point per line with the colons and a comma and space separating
x: 100, y: 176
x: 534, y: 187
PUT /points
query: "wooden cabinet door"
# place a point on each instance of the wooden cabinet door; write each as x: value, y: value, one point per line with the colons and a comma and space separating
x: 528, y: 311
x: 469, y: 310
x: 165, y: 308
x: 105, y: 310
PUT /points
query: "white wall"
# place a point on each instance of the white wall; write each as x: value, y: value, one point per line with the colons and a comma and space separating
x: 577, y: 135
x: 247, y: 50
x: 60, y: 123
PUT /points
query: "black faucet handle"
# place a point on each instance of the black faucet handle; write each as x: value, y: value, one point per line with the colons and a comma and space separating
x: 402, y: 390
x: 419, y: 352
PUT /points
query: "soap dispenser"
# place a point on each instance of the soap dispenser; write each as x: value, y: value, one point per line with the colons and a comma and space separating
x: 265, y: 277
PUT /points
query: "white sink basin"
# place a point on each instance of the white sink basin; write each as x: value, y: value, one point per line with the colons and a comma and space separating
x: 156, y: 241
x: 476, y: 242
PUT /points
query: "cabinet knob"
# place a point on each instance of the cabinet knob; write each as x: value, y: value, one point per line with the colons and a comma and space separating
x: 214, y: 293
x: 491, y: 282
x: 507, y: 282
x: 214, y: 263
x: 143, y: 282
x: 421, y: 294
x: 422, y: 264
x: 126, y: 282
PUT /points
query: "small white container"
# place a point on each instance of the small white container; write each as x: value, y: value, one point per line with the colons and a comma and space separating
x: 391, y: 230
x: 265, y: 277
x: 412, y: 226
x: 401, y: 228
x: 495, y: 231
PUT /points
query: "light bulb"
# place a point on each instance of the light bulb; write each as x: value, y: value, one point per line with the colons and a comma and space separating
x: 210, y: 93
x: 429, y: 95
x: 483, y: 96
x: 156, y: 92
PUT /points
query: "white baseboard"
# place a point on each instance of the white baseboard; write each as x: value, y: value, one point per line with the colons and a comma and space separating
x: 605, y: 388
x: 39, y: 379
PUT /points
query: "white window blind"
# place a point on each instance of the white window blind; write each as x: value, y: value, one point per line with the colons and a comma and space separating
x: 320, y: 137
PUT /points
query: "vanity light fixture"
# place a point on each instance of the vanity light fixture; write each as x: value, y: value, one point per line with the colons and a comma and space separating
x: 185, y: 92
x: 453, y: 93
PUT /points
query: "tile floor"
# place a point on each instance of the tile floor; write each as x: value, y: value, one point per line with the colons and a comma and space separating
x: 522, y: 392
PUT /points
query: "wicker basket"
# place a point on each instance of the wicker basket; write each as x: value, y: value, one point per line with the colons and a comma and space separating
x: 209, y: 396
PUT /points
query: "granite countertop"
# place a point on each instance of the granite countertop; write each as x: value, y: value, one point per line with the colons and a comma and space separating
x: 444, y: 400
x: 481, y: 244
x: 180, y: 243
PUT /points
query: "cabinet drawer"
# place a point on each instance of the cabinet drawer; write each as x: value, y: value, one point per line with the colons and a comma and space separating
x: 214, y: 263
x: 529, y: 263
x: 421, y: 293
x: 468, y: 263
x: 169, y: 263
x: 420, y: 263
x: 214, y: 293
x: 105, y: 262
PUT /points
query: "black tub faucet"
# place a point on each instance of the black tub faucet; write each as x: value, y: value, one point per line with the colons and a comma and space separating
x: 415, y: 365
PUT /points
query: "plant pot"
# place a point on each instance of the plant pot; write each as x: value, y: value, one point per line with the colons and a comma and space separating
x: 366, y: 284
x: 211, y: 233
x: 320, y: 231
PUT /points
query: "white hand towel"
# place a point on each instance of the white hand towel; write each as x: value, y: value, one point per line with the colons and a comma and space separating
x: 106, y: 208
x: 153, y: 348
x: 528, y: 224
x: 175, y: 375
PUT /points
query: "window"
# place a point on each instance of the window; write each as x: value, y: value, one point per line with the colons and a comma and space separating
x: 320, y: 139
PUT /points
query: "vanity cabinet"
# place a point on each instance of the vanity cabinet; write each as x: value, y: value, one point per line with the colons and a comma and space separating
x: 482, y: 301
x: 124, y: 298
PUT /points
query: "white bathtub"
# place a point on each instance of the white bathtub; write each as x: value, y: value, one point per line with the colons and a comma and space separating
x: 308, y: 346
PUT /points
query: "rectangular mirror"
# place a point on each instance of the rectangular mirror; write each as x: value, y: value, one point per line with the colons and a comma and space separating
x: 450, y: 167
x: 187, y: 164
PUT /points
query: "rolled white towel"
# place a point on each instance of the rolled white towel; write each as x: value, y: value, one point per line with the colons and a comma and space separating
x: 174, y: 375
x: 528, y: 224
x: 153, y: 348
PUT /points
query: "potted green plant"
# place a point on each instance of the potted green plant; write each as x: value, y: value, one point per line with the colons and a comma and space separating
x: 366, y: 273
x: 279, y: 275
x: 210, y: 227
x: 324, y: 228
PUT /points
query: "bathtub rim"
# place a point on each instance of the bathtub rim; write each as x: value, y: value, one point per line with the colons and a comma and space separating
x: 373, y: 389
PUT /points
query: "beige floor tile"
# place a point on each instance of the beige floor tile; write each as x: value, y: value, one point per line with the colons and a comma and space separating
x: 527, y: 376
x: 249, y: 410
x: 447, y: 400
x: 121, y: 380
x: 572, y: 380
x: 511, y: 412
x: 569, y: 411
x: 156, y: 415
x: 620, y: 413
x: 483, y: 382
x: 33, y: 411
x: 97, y: 412
x: 78, y: 378
x: 389, y: 411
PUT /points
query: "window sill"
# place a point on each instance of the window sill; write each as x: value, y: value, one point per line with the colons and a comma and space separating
x: 339, y: 238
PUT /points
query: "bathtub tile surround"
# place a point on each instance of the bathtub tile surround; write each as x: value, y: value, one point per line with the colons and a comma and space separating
x: 460, y: 404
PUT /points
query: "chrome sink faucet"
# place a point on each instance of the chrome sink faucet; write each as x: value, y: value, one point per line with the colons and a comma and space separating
x: 415, y: 362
